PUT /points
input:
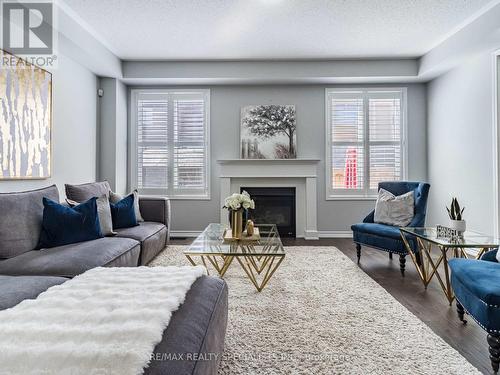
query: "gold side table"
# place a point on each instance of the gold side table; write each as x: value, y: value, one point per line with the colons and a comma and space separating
x: 433, y: 253
x: 259, y: 258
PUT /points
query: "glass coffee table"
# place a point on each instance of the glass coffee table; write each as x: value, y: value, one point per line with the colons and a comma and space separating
x: 259, y: 258
x: 434, y: 251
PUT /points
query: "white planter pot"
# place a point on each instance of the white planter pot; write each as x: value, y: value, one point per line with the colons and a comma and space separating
x: 458, y: 225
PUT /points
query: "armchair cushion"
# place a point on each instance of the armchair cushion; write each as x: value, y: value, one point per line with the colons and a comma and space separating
x: 481, y: 278
x: 420, y: 195
x: 394, y: 210
x: 378, y: 230
x: 380, y: 236
x: 477, y: 287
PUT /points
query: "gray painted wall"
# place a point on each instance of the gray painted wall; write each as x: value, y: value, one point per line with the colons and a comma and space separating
x: 107, y: 131
x: 460, y: 146
x: 73, y: 129
x: 121, y: 137
x: 226, y: 102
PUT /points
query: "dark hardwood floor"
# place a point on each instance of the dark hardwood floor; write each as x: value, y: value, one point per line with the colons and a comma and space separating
x: 429, y: 305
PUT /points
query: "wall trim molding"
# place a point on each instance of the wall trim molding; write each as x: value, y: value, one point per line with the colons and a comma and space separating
x: 184, y: 233
x: 335, y: 234
x: 321, y: 234
x: 244, y: 72
x: 496, y: 141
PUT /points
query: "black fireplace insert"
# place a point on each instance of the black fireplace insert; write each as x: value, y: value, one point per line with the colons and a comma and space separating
x: 274, y: 205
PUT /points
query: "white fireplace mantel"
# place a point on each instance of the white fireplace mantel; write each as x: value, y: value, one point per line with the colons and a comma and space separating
x: 300, y: 173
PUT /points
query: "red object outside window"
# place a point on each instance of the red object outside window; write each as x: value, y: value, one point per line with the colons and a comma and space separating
x: 351, y: 169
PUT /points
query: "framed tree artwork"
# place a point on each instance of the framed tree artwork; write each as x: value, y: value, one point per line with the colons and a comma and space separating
x: 268, y: 132
x: 25, y: 119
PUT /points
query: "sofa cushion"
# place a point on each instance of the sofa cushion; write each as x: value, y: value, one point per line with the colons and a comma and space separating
x: 104, y: 213
x: 66, y: 225
x: 83, y: 192
x: 21, y: 220
x: 378, y: 230
x: 123, y: 213
x: 74, y: 259
x: 18, y: 288
x: 152, y: 236
x: 115, y: 198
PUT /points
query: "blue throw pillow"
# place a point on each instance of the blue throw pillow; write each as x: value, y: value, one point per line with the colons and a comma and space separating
x: 62, y: 225
x: 123, y: 213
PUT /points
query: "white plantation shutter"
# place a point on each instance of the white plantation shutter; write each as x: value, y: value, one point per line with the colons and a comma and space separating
x: 365, y: 139
x: 384, y: 115
x: 347, y: 141
x: 189, y: 144
x: 171, y: 156
x: 152, y: 149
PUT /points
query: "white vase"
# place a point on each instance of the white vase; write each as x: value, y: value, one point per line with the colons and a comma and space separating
x: 458, y: 225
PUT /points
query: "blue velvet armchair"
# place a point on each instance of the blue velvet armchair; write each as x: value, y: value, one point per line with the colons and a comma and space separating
x: 386, y: 237
x: 476, y: 284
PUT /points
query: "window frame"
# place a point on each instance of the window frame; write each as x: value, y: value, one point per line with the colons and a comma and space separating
x: 133, y: 145
x: 366, y: 193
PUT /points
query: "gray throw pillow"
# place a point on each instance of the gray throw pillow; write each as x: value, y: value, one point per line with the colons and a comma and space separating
x: 83, y: 192
x: 103, y: 212
x: 115, y: 198
x: 394, y: 210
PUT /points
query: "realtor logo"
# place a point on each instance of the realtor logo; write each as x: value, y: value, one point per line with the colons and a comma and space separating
x: 27, y: 27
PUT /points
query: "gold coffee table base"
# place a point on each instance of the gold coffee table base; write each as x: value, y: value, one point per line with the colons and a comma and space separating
x: 253, y: 265
x: 259, y: 257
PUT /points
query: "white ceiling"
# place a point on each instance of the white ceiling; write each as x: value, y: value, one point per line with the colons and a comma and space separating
x: 272, y: 29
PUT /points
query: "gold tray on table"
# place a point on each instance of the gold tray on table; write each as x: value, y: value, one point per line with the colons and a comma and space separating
x: 228, y: 236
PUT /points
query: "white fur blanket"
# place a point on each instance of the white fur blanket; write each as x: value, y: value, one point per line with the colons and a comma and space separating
x: 105, y: 321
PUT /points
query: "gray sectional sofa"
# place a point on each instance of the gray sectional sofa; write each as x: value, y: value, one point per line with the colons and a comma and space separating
x: 198, y: 327
x: 21, y: 225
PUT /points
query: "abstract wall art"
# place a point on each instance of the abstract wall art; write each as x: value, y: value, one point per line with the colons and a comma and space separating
x: 25, y: 119
x: 268, y: 132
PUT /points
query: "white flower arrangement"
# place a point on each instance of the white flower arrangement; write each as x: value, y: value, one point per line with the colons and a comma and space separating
x: 237, y: 201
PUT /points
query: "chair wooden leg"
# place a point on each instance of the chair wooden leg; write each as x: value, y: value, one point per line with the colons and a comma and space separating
x: 419, y: 258
x: 390, y: 255
x: 358, y: 251
x: 402, y: 263
x: 461, y: 312
x: 494, y: 348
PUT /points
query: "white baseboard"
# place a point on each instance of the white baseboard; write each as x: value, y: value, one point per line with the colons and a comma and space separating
x: 335, y: 234
x: 184, y: 233
x: 311, y: 235
x: 321, y: 234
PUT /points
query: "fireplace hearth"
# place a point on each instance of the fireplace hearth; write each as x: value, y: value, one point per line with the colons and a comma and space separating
x: 274, y: 205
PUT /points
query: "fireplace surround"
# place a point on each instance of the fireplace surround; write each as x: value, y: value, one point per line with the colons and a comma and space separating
x: 300, y: 174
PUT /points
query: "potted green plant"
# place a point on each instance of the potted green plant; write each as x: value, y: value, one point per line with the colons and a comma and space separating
x: 455, y: 212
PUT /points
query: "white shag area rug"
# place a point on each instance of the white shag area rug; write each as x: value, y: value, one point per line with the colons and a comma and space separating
x: 321, y: 314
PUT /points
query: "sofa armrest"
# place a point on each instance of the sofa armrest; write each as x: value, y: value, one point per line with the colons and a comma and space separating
x: 156, y: 209
x: 490, y: 256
